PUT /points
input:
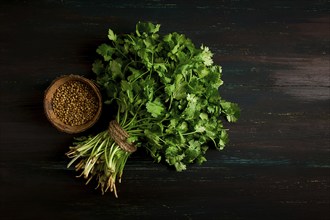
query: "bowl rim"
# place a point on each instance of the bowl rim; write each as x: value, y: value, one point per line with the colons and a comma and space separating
x: 49, y: 93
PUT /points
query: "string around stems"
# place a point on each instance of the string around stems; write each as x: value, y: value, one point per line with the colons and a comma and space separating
x: 119, y: 135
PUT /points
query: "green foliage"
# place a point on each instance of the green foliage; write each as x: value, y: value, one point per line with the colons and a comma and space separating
x: 166, y: 81
x: 166, y: 93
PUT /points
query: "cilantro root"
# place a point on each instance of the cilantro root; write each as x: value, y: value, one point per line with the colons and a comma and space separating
x: 100, y: 158
x: 166, y: 94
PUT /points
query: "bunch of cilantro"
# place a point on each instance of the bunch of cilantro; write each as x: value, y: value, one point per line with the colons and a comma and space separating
x: 166, y: 94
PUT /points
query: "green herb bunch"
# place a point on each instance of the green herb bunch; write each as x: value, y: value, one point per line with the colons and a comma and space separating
x: 166, y: 92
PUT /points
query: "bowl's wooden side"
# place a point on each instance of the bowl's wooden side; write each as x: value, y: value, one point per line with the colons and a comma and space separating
x: 49, y: 93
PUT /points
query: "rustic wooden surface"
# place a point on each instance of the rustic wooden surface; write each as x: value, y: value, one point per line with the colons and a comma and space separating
x: 275, y: 57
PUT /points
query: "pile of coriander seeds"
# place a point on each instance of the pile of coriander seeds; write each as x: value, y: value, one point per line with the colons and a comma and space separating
x: 75, y: 103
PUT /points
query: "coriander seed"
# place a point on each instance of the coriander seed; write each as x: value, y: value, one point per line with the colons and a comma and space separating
x: 75, y: 103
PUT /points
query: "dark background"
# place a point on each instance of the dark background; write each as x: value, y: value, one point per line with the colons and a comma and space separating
x: 275, y: 59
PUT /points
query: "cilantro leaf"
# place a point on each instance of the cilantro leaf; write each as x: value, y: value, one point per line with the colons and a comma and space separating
x: 231, y: 110
x: 146, y: 28
x: 98, y: 67
x: 106, y: 51
x: 155, y: 108
x: 111, y: 35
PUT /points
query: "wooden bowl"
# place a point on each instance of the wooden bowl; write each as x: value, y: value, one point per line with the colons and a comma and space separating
x: 49, y: 111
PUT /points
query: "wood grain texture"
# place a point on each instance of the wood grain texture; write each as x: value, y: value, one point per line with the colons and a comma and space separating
x: 275, y: 59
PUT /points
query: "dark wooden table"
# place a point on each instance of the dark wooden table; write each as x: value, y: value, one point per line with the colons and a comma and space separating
x: 275, y: 59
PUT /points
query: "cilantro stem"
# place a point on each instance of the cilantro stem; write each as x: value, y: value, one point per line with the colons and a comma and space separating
x: 140, y: 76
x: 136, y: 131
x: 190, y: 133
x: 129, y: 63
x: 120, y: 51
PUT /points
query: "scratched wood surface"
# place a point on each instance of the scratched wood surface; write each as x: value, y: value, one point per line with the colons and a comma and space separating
x: 275, y: 59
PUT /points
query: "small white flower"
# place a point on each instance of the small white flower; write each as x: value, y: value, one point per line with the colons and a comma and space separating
x: 206, y: 56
